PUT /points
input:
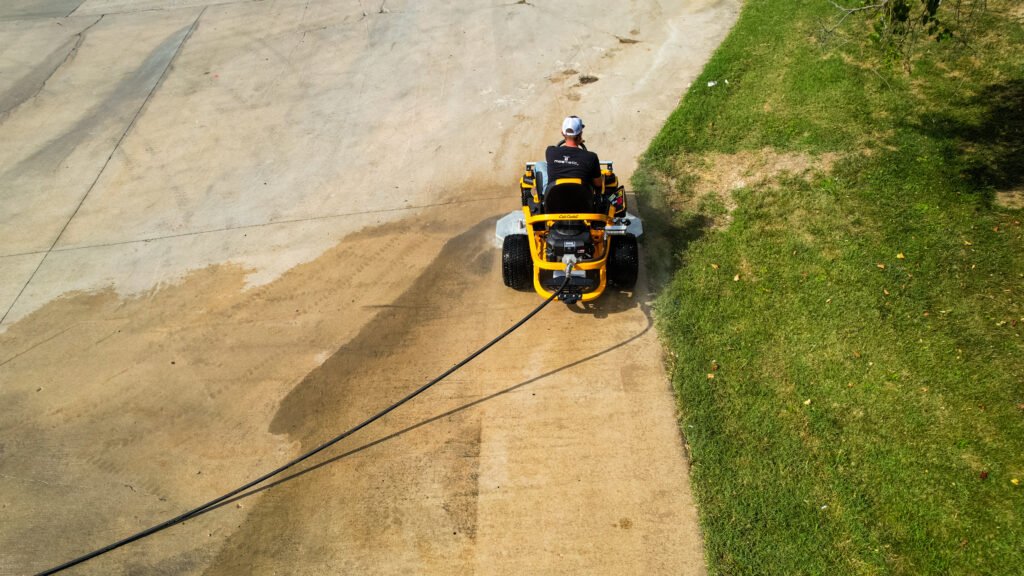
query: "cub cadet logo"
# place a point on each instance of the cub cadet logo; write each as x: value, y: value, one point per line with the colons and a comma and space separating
x: 571, y: 216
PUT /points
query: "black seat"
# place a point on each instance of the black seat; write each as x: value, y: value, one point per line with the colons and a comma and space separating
x: 570, y: 197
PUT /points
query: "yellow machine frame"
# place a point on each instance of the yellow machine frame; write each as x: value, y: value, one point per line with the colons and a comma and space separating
x: 537, y: 237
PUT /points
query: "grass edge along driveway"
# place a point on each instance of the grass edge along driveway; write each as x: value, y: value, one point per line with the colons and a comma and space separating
x: 842, y: 296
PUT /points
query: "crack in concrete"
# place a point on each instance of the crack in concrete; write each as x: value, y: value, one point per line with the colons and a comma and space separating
x: 258, y: 225
x: 50, y: 66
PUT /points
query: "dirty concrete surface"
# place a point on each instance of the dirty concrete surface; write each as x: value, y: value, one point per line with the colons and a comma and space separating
x: 230, y: 230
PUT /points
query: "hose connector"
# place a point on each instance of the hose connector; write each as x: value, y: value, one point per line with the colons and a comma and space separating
x: 570, y: 262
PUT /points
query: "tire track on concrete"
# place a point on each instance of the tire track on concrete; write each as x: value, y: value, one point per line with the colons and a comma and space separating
x: 170, y: 62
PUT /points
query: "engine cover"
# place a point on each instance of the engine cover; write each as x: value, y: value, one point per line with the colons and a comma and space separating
x: 569, y: 237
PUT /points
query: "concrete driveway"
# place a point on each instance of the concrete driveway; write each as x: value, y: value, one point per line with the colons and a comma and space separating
x: 230, y: 230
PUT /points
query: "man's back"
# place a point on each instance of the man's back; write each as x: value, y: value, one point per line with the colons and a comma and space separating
x: 572, y: 162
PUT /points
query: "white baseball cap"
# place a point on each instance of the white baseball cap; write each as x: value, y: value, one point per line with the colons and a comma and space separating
x: 572, y: 126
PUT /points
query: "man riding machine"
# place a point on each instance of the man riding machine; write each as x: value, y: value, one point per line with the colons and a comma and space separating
x: 573, y: 221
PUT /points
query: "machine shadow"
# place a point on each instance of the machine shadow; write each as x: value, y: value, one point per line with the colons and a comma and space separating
x: 647, y: 327
x: 613, y: 301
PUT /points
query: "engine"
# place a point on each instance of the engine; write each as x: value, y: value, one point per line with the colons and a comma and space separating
x: 569, y: 237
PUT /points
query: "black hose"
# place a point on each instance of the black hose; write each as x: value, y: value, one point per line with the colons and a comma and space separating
x: 212, y: 503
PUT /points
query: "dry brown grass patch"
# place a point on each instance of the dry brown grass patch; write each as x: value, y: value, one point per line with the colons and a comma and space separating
x: 717, y: 175
x: 1012, y: 199
x: 1017, y: 12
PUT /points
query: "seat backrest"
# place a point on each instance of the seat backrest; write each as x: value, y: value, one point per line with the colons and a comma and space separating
x: 568, y: 195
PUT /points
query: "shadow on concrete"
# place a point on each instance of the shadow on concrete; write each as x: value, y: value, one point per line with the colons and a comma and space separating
x: 613, y: 301
x: 464, y: 258
x: 667, y: 236
x: 37, y: 9
x: 449, y: 413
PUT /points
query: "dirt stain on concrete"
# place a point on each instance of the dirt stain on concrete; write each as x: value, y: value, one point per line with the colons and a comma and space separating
x: 410, y: 503
x: 120, y: 412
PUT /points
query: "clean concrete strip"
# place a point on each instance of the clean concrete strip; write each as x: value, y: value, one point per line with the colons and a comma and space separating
x: 17, y: 270
x: 185, y: 34
x: 258, y: 225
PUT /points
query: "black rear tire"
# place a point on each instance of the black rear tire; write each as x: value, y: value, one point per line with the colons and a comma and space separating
x: 623, y: 261
x: 516, y: 263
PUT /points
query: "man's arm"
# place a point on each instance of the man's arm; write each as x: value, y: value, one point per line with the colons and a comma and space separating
x: 596, y: 172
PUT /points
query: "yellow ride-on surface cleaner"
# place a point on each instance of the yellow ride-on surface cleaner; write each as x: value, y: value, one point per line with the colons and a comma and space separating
x: 563, y: 222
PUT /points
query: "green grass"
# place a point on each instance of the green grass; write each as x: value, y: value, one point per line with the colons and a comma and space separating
x: 914, y: 371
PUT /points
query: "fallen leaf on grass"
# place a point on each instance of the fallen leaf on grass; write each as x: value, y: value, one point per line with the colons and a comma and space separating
x: 968, y: 243
x: 1015, y: 481
x: 736, y: 278
x: 711, y: 376
x: 880, y: 266
x: 901, y: 256
x: 884, y: 291
x: 983, y: 475
x: 714, y: 365
x: 807, y: 402
x: 714, y: 266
